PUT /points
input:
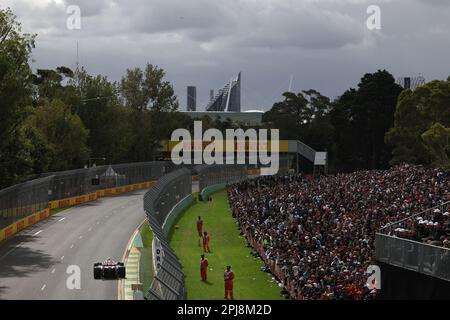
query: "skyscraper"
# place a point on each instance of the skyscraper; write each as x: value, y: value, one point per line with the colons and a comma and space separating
x: 191, y: 98
x: 411, y: 82
x: 228, y: 99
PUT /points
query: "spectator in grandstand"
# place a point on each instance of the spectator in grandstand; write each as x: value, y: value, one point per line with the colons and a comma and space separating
x: 317, y: 236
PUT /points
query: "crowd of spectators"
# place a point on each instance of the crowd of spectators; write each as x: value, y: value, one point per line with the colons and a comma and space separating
x: 319, y: 233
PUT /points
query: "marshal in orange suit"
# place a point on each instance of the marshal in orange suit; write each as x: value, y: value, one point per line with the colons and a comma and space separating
x: 228, y: 278
x: 204, y: 268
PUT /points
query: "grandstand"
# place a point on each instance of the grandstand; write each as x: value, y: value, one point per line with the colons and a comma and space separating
x: 318, y: 237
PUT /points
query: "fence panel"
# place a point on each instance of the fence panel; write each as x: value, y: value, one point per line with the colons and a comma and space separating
x: 168, y: 282
x: 21, y: 200
x: 218, y: 174
x: 24, y: 199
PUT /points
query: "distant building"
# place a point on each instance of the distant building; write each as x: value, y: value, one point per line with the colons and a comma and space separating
x: 411, y: 82
x: 191, y: 98
x: 228, y: 99
x: 248, y: 118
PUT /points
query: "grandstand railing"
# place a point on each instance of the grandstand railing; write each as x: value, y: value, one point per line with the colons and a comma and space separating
x: 409, y: 254
x: 159, y: 204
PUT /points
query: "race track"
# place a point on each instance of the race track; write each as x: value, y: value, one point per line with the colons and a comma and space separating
x: 33, y: 263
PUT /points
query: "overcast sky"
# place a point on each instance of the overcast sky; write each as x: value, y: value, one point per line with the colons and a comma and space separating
x: 324, y: 44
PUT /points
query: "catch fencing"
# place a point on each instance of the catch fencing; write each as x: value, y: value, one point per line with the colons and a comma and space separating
x: 210, y: 175
x: 159, y: 203
x: 24, y: 199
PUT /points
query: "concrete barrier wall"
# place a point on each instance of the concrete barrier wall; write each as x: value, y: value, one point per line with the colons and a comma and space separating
x: 62, y: 203
x: 18, y: 226
x: 176, y: 211
x: 211, y: 189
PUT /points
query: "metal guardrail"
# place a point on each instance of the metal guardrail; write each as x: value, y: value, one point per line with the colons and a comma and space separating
x: 413, y: 255
x: 171, y: 189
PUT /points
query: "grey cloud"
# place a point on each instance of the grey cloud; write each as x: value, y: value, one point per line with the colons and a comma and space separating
x: 323, y: 43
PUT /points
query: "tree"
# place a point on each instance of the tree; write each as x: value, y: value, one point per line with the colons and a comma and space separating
x: 49, y: 84
x: 153, y: 104
x: 436, y: 141
x: 147, y: 90
x: 417, y: 111
x: 302, y: 116
x: 288, y: 115
x: 15, y: 97
x: 361, y: 118
x: 63, y: 133
x: 108, y: 122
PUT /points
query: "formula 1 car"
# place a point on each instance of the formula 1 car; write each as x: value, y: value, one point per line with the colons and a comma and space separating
x: 109, y: 269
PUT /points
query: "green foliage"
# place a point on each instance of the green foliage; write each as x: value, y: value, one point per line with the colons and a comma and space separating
x: 302, y: 116
x: 417, y: 111
x: 15, y: 97
x: 361, y: 117
x: 146, y: 89
x: 64, y: 134
x: 436, y: 140
x: 98, y: 106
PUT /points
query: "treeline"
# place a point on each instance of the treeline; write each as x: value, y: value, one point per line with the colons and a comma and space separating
x: 55, y: 120
x: 373, y: 126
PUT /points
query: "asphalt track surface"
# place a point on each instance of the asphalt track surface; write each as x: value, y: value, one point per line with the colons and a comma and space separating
x: 34, y: 263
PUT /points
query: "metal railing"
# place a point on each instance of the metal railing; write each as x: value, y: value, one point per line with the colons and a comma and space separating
x: 392, y: 248
x: 171, y: 189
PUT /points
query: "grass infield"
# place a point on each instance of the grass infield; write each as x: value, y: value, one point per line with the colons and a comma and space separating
x: 227, y: 248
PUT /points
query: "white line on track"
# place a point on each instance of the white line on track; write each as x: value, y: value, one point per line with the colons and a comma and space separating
x: 43, y: 287
x: 38, y: 232
x: 53, y: 271
x: 62, y: 219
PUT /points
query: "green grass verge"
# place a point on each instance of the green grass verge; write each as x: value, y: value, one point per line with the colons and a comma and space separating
x: 145, y: 263
x: 228, y: 248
